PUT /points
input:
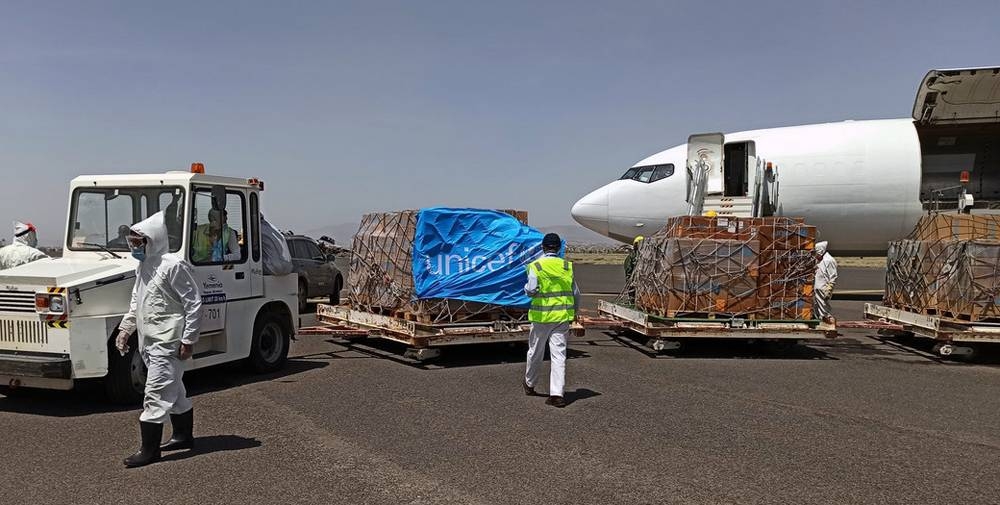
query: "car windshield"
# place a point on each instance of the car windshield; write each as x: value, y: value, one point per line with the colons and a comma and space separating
x: 101, y: 217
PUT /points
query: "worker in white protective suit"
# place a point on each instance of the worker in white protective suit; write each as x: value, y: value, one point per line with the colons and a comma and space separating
x: 165, y: 315
x: 826, y: 278
x: 23, y: 249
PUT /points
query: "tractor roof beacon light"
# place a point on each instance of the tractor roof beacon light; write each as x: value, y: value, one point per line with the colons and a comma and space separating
x: 964, y: 177
x: 197, y: 168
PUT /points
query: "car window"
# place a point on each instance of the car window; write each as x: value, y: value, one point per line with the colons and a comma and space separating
x: 295, y: 247
x: 312, y: 250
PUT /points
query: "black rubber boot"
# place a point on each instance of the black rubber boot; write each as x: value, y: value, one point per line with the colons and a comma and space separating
x: 150, y: 450
x: 182, y: 437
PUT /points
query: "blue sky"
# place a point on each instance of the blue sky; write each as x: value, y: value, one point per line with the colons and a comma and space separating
x: 344, y: 108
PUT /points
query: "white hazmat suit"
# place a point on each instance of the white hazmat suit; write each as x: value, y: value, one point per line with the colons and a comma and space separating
x: 826, y: 278
x: 23, y: 248
x: 165, y: 312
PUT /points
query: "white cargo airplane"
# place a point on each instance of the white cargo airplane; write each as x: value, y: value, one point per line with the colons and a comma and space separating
x: 863, y: 183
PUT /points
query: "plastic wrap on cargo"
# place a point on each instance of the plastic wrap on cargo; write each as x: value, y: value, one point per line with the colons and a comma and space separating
x: 761, y: 268
x: 277, y: 260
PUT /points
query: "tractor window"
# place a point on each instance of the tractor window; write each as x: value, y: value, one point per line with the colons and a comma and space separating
x: 101, y: 217
x: 217, y: 229
x: 255, y: 226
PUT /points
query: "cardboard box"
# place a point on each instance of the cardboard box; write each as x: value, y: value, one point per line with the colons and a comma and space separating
x: 787, y: 237
x: 781, y: 286
x: 937, y: 227
x: 792, y: 264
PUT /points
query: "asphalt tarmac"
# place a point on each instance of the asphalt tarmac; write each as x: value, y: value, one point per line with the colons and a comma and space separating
x: 851, y: 420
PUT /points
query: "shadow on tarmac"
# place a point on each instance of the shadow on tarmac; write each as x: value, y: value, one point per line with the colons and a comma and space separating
x: 213, y: 443
x: 87, y: 398
x: 458, y: 356
x: 983, y: 353
x: 581, y: 394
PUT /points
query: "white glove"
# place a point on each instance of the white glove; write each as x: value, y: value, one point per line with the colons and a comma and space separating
x: 121, y: 342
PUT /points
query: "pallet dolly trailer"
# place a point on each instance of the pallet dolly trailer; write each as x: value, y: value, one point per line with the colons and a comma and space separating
x: 949, y: 334
x: 665, y: 333
x: 424, y: 341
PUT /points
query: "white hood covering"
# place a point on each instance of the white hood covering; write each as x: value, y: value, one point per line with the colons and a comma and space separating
x: 154, y: 229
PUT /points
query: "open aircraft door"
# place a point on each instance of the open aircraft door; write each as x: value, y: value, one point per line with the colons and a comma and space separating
x: 704, y: 167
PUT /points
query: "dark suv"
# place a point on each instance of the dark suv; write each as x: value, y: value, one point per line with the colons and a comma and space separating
x: 318, y: 275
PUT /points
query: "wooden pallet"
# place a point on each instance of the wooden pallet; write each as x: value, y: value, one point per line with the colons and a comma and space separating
x: 415, y: 334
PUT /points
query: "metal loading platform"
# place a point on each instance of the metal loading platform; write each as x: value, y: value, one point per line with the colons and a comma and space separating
x: 665, y: 333
x: 948, y: 333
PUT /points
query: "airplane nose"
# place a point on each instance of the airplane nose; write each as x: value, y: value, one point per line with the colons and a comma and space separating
x: 591, y: 211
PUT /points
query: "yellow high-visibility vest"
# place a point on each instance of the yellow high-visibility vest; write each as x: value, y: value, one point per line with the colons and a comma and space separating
x: 554, y: 301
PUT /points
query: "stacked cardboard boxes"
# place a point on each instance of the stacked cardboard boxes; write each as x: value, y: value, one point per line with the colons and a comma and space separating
x: 761, y: 268
x: 381, y: 274
x: 949, y: 266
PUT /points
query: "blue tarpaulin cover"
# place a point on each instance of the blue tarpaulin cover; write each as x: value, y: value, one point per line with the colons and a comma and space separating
x: 473, y: 255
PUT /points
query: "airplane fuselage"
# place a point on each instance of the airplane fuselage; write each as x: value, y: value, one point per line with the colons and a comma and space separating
x: 858, y: 181
x: 862, y: 183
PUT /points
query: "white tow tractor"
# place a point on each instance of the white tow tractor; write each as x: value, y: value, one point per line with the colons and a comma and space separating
x: 58, y: 316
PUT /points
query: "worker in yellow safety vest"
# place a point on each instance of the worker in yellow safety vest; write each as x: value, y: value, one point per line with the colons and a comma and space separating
x: 554, y: 302
x: 215, y: 241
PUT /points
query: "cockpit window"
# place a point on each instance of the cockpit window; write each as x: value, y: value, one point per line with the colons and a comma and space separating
x: 649, y: 173
x: 630, y: 173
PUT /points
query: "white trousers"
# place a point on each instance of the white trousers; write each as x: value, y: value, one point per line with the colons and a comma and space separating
x: 555, y: 335
x: 165, y: 393
x: 821, y: 306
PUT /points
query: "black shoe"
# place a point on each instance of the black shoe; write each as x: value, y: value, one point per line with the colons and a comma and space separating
x: 556, y: 401
x: 528, y: 390
x: 182, y: 437
x: 150, y: 450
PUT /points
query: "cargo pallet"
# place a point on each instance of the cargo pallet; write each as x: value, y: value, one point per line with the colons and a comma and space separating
x: 664, y: 333
x: 423, y: 341
x: 947, y: 332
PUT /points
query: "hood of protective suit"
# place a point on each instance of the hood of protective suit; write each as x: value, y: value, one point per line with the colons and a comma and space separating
x: 821, y: 247
x: 24, y: 233
x: 154, y: 228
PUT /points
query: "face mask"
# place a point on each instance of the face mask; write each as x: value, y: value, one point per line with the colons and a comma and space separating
x: 139, y: 253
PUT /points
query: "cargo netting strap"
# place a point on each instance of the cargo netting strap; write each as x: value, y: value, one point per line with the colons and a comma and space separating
x: 947, y: 266
x: 758, y: 268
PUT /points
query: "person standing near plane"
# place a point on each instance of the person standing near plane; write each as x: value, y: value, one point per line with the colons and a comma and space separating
x: 554, y: 301
x: 826, y: 278
x: 629, y: 265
